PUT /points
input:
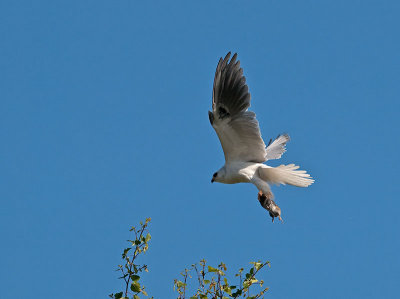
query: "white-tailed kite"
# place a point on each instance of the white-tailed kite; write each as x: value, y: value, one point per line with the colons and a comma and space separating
x: 239, y: 133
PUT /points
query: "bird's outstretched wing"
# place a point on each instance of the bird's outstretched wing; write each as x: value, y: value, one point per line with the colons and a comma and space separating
x: 237, y: 128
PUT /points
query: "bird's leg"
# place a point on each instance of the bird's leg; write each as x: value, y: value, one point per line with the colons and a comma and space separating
x: 280, y: 218
x: 272, y: 219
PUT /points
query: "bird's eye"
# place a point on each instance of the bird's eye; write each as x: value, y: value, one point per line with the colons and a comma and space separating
x: 214, y: 175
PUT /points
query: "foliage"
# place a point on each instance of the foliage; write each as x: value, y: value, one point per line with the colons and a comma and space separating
x: 213, y: 283
x: 130, y: 271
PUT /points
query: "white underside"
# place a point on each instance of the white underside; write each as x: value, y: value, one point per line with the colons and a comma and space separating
x: 262, y: 175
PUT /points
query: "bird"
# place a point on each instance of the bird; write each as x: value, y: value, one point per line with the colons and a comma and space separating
x: 239, y: 133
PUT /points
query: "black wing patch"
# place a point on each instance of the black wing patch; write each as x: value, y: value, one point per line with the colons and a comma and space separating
x: 222, y: 113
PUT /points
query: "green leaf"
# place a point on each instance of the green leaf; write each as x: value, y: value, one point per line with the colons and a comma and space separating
x: 257, y: 265
x: 227, y: 289
x: 135, y: 287
x: 118, y: 295
x: 135, y: 278
x: 211, y: 269
x: 148, y: 237
x: 180, y: 284
x: 136, y: 297
x: 125, y: 252
x: 237, y: 293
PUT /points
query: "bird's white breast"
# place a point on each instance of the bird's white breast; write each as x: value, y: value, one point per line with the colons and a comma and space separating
x: 239, y: 172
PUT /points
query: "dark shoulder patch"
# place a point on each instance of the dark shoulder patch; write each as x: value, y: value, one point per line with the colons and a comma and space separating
x: 222, y: 113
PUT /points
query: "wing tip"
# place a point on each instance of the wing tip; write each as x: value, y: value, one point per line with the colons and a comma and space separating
x: 284, y: 135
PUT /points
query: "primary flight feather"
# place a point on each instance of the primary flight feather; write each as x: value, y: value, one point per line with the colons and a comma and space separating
x: 239, y: 133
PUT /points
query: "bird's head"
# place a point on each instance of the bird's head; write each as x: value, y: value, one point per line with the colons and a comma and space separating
x: 218, y: 176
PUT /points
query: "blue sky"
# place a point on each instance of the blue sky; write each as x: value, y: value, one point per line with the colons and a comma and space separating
x: 103, y: 122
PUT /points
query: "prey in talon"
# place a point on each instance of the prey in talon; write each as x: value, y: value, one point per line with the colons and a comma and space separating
x: 270, y: 205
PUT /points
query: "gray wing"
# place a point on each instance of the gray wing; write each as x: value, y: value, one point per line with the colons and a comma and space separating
x: 237, y: 128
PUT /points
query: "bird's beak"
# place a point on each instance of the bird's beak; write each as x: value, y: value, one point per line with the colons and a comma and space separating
x: 212, y: 180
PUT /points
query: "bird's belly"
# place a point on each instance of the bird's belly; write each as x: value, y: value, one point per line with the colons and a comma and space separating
x: 237, y: 178
x: 239, y: 173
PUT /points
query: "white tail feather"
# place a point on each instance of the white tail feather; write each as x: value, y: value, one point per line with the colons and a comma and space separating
x: 286, y: 174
